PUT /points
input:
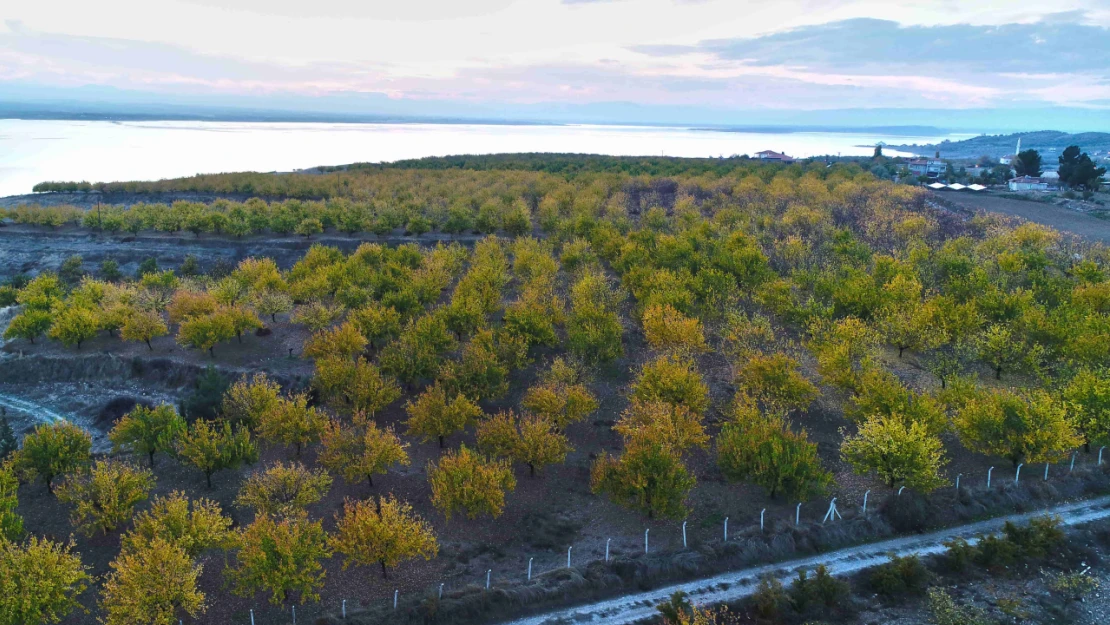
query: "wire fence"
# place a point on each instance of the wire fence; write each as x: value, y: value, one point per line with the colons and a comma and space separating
x: 820, y: 512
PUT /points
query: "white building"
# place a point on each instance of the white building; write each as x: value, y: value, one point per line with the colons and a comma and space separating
x: 1028, y: 183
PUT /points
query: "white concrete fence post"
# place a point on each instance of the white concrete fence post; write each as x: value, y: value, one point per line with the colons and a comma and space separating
x: 1073, y: 455
x: 344, y: 609
x: 488, y: 571
x: 398, y: 592
x: 529, y: 569
x: 646, y: 539
x: 1100, y: 450
x: 252, y: 617
x: 761, y: 513
x: 865, y: 501
x: 798, y: 514
x: 441, y: 591
x: 900, y: 491
x: 607, y: 541
x: 1046, y: 471
x: 1017, y: 474
x: 989, y: 471
x: 958, y: 482
x: 684, y: 534
x: 726, y: 529
x: 294, y: 608
x: 568, y: 556
x: 833, y: 513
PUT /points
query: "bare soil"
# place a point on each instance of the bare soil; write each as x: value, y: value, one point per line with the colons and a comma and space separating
x: 1044, y: 213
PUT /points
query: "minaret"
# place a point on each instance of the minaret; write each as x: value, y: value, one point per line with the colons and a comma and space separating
x: 1018, y: 151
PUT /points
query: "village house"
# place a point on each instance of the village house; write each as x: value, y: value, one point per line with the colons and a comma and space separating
x: 1028, y: 183
x: 931, y: 167
x: 773, y: 157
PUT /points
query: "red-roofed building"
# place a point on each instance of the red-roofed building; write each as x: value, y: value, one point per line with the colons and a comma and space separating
x: 774, y: 157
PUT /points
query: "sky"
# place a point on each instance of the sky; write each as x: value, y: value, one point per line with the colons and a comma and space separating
x: 699, y: 61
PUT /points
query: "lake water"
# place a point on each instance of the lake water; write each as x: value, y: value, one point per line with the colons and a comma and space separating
x: 35, y: 151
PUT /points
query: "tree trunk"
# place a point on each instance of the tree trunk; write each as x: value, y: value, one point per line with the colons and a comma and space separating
x: 148, y: 345
x: 211, y: 352
x: 152, y: 459
x: 208, y: 477
x: 998, y: 373
x: 531, y: 470
x: 239, y: 335
x: 900, y: 350
x: 384, y: 576
x: 50, y: 484
x: 273, y: 317
x: 298, y: 449
x: 370, y: 480
x: 441, y: 442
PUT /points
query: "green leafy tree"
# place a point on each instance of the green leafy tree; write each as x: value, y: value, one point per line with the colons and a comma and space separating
x: 272, y: 302
x: 1000, y: 349
x: 1028, y: 163
x: 764, y: 450
x: 106, y: 497
x: 775, y: 381
x: 11, y: 524
x: 356, y: 386
x: 649, y: 477
x: 531, y: 439
x: 8, y: 444
x: 29, y: 324
x: 40, y: 581
x: 148, y: 430
x: 206, y: 331
x: 386, y: 534
x: 899, y: 452
x: 280, y: 557
x: 213, y: 447
x: 463, y: 481
x: 53, y: 450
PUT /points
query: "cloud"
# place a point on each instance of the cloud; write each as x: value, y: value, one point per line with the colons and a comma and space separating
x: 1059, y: 43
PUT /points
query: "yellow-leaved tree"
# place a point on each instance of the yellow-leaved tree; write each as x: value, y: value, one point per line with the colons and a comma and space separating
x: 283, y: 489
x: 143, y: 325
x: 1023, y: 426
x: 676, y: 424
x: 899, y: 451
x: 386, y: 533
x: 530, y: 439
x: 361, y: 451
x: 649, y: 476
x: 464, y: 481
x: 673, y: 380
x: 667, y: 329
x: 432, y: 417
x: 562, y: 395
x: 291, y: 421
x: 105, y: 497
x: 357, y: 386
x: 248, y: 399
x: 342, y: 341
x: 194, y: 526
x: 40, y: 581
x: 154, y: 584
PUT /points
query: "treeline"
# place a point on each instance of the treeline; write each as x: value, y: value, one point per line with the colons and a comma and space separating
x: 370, y: 180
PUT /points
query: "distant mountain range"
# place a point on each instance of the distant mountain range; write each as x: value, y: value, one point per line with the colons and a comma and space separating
x: 1047, y: 142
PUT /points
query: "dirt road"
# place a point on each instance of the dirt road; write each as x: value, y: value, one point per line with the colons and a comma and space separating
x: 1057, y: 217
x: 729, y: 587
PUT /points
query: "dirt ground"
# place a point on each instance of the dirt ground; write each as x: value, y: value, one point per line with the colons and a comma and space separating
x: 1043, y: 213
